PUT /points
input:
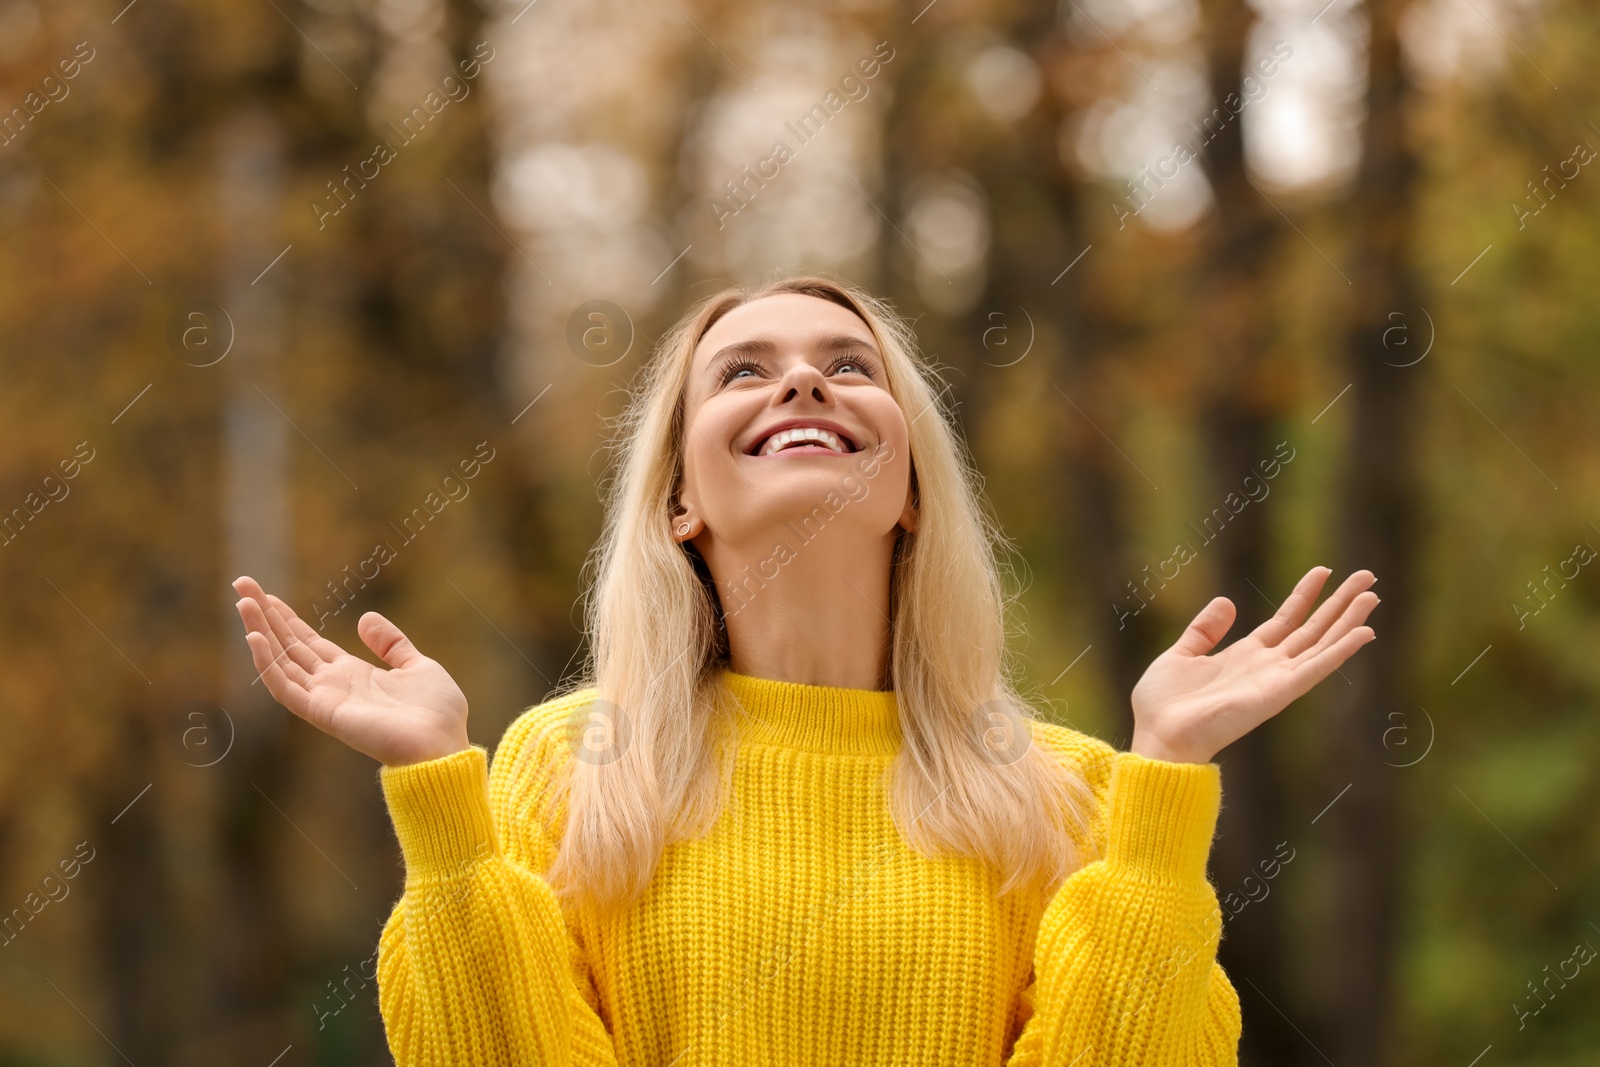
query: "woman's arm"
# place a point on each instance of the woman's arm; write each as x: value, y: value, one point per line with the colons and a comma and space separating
x: 476, y: 964
x: 1125, y: 961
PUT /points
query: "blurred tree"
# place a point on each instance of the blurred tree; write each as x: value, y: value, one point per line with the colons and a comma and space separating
x: 1379, y: 530
x: 185, y: 164
x: 1242, y: 405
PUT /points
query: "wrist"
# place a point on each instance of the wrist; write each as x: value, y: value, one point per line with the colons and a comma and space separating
x: 1150, y: 746
x: 437, y: 748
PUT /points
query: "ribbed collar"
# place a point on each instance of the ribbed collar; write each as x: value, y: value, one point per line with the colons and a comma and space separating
x: 819, y: 718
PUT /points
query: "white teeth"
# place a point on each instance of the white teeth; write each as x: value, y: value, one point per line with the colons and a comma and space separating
x: 802, y: 434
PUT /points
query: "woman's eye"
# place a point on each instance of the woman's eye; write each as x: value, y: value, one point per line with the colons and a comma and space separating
x: 733, y: 371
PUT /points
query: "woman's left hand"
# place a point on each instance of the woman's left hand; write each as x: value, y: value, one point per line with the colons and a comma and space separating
x: 1188, y: 706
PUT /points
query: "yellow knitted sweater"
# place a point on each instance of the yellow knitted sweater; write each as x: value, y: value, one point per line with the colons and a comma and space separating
x: 802, y: 930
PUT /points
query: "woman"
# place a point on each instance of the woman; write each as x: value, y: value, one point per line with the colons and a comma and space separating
x: 796, y: 813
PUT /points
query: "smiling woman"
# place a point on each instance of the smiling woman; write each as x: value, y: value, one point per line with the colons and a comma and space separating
x: 824, y: 827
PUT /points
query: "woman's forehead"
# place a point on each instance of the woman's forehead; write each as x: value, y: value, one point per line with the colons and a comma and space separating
x: 781, y: 317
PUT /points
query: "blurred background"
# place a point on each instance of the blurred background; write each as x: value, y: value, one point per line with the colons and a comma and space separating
x: 342, y: 294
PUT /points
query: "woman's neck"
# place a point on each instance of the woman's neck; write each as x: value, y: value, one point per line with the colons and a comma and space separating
x: 814, y: 615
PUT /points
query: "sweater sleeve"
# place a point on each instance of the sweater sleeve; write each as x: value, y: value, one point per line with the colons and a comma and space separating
x: 1125, y: 971
x: 476, y: 964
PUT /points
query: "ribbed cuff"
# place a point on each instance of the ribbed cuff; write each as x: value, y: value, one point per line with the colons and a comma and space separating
x: 1162, y: 817
x: 440, y: 810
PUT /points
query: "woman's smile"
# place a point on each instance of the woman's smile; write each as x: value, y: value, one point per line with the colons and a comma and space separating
x: 806, y: 437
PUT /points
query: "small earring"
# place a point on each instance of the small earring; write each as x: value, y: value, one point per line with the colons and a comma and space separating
x: 684, y: 528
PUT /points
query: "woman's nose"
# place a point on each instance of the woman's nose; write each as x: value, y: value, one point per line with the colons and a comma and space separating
x: 804, y: 378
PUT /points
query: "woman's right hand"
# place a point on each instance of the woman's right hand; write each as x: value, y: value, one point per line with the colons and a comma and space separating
x: 412, y: 713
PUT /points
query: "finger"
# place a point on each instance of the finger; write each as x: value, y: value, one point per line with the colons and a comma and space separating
x: 1294, y: 609
x: 297, y: 649
x: 288, y: 613
x: 323, y: 648
x: 249, y: 589
x: 386, y: 640
x: 1319, y: 664
x: 256, y: 622
x: 1354, y: 614
x: 261, y: 617
x: 1332, y: 609
x: 283, y: 688
x: 1207, y: 628
x: 245, y: 585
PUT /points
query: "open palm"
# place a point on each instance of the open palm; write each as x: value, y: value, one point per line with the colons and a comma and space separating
x: 413, y: 712
x: 1188, y: 705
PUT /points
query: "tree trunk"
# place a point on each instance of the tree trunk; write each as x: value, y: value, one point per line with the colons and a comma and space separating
x: 1237, y: 419
x: 1379, y: 531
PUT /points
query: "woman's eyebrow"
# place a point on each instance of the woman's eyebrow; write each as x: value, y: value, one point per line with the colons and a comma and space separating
x: 755, y: 346
x: 765, y: 346
x: 843, y: 341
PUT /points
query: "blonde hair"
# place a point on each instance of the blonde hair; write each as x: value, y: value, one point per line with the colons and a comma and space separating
x: 967, y: 778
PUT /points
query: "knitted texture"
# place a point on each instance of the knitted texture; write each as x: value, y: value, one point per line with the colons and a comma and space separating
x: 801, y: 930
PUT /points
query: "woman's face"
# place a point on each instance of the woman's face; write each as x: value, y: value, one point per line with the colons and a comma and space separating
x: 788, y: 362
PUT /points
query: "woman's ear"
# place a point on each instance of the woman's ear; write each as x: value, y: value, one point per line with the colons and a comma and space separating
x: 685, y: 524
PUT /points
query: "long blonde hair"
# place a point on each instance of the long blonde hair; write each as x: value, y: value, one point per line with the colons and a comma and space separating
x: 967, y: 778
